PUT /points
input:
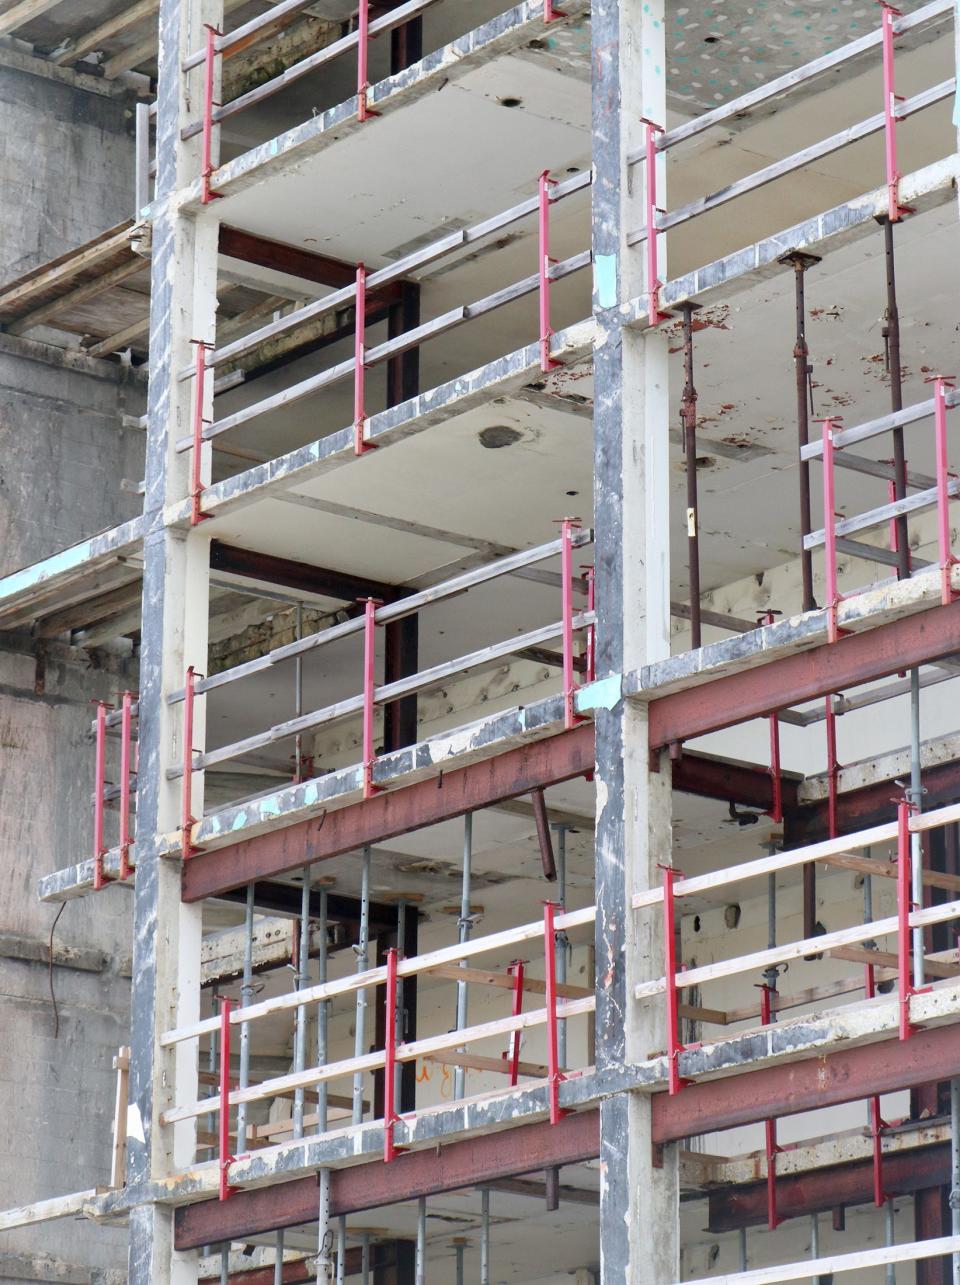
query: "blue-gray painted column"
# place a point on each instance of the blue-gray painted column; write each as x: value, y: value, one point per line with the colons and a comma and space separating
x: 166, y: 945
x: 639, y: 1200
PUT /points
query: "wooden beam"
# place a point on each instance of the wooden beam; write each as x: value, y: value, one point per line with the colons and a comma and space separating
x: 94, y: 39
x: 23, y: 13
x: 81, y: 294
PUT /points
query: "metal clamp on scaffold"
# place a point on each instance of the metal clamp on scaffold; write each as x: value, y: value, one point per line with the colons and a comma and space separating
x: 940, y: 385
x: 207, y: 167
x: 554, y: 1074
x: 196, y: 464
x: 187, y: 819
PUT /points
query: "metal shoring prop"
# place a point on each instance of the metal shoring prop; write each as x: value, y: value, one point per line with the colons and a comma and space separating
x: 341, y: 1250
x: 399, y: 1013
x: 278, y: 1261
x: 246, y: 998
x: 485, y: 1236
x: 465, y: 924
x: 362, y: 950
x: 225, y: 1264
x: 365, y: 1259
x: 459, y: 1248
x: 563, y: 942
x: 301, y: 979
x: 800, y: 263
x: 769, y: 1015
x: 891, y: 1239
x: 325, y: 1266
x: 955, y: 1170
x: 322, y: 1016
x: 743, y: 1249
x: 688, y: 419
x: 421, y: 1267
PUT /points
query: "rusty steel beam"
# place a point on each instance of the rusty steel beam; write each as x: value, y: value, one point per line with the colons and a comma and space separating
x: 905, y: 1172
x: 302, y: 576
x: 300, y: 1271
x: 802, y: 676
x: 395, y: 812
x: 295, y: 261
x: 527, y: 1149
x: 794, y: 1087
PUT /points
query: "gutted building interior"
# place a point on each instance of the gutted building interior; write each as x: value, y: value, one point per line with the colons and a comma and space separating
x: 479, y: 642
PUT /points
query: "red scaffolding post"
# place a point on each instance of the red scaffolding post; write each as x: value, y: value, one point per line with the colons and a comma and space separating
x: 390, y: 1116
x: 370, y: 606
x: 895, y: 210
x: 550, y: 14
x: 207, y: 166
x: 567, y: 528
x: 905, y: 904
x: 513, y: 1053
x: 187, y: 819
x: 776, y: 774
x: 126, y: 765
x: 833, y: 765
x: 226, y: 1159
x: 543, y: 223
x: 674, y: 1047
x: 767, y: 993
x: 590, y: 669
x: 196, y: 462
x: 947, y: 560
x: 654, y: 284
x: 363, y: 52
x: 99, y: 788
x: 554, y: 1074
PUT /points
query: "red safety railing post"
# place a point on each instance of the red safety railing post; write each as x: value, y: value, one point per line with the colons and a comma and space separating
x: 207, y: 166
x: 513, y: 1056
x: 550, y: 14
x: 99, y: 788
x: 770, y: 1124
x: 947, y: 560
x: 894, y: 209
x: 363, y: 53
x: 370, y: 606
x: 187, y: 819
x: 833, y: 766
x: 543, y: 223
x: 590, y: 669
x: 360, y: 445
x: 126, y: 754
x: 390, y: 1058
x: 654, y: 284
x: 226, y: 1159
x: 567, y: 528
x: 196, y: 463
x: 554, y: 1074
x: 674, y: 1047
x: 830, y: 528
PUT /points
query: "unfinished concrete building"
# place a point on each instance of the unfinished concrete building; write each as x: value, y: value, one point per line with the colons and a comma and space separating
x: 479, y: 642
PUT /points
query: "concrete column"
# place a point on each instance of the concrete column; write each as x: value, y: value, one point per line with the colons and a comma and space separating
x: 639, y: 1200
x: 166, y: 946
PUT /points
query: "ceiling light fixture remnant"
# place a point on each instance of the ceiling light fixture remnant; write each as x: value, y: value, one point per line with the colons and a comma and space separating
x: 499, y: 435
x: 510, y: 101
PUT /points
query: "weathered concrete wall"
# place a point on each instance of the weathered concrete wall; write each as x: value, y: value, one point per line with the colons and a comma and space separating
x: 66, y: 166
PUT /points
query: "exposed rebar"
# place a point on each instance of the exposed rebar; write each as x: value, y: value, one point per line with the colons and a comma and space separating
x: 363, y: 952
x: 246, y: 998
x: 465, y: 925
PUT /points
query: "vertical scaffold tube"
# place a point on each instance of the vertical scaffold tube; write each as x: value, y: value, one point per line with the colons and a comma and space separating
x: 362, y: 949
x: 562, y: 941
x: 246, y: 998
x: 278, y: 1261
x: 341, y: 1250
x: 485, y: 1236
x: 421, y: 1269
x: 302, y: 978
x: 955, y: 1170
x: 465, y: 925
x: 688, y: 417
x: 399, y: 1017
x: 324, y: 1236
x: 322, y: 1015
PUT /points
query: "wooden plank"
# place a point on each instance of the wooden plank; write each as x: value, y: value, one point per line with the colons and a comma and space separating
x: 92, y: 256
x: 42, y: 1211
x: 483, y: 977
x: 121, y: 1064
x: 476, y: 1062
x: 93, y: 40
x: 888, y: 870
x: 23, y: 13
x: 121, y: 339
x: 812, y: 1268
x: 89, y: 610
x: 88, y: 290
x: 932, y: 966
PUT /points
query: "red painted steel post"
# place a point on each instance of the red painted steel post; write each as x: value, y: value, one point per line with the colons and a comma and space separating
x: 776, y: 774
x: 187, y: 818
x: 99, y: 786
x: 590, y: 672
x: 876, y: 1132
x: 904, y: 906
x: 516, y: 968
x: 567, y: 528
x: 830, y: 530
x: 654, y: 283
x: 894, y: 209
x: 833, y: 767
x: 196, y: 462
x: 370, y: 606
x: 126, y: 748
x: 543, y: 223
x: 550, y: 14
x: 943, y: 488
x: 206, y: 156
x: 674, y: 1047
x: 554, y: 1075
x: 226, y: 1159
x: 390, y: 1057
x: 363, y: 51
x: 360, y: 447
x: 770, y: 1124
